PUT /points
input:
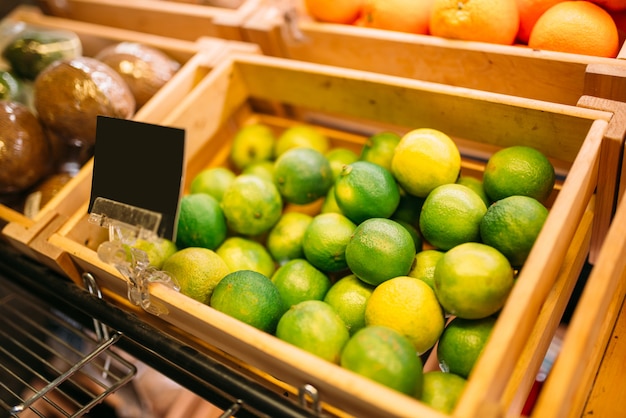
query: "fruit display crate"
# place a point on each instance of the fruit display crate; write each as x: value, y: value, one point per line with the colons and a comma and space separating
x: 282, y: 92
x: 196, y: 60
x: 183, y: 19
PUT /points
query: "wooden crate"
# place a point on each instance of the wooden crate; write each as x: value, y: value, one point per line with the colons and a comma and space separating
x: 196, y: 59
x: 182, y: 19
x: 592, y: 353
x: 281, y: 92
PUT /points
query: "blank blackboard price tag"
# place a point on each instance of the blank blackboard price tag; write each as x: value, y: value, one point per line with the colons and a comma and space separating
x: 137, y: 174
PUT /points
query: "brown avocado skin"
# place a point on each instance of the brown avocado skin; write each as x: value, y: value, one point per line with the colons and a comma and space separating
x: 70, y: 94
x: 25, y: 154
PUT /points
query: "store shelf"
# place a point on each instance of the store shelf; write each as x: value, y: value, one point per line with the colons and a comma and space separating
x: 180, y: 360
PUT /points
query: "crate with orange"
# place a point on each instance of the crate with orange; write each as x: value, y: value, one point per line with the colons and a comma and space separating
x: 282, y: 94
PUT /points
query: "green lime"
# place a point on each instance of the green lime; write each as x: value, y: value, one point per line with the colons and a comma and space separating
x: 385, y: 356
x: 338, y: 157
x: 245, y: 254
x: 298, y: 280
x: 250, y: 297
x: 379, y: 148
x: 252, y: 143
x: 302, y: 175
x: 476, y: 185
x: 330, y: 203
x: 349, y: 296
x: 284, y: 240
x: 212, y: 181
x: 325, y: 240
x: 157, y: 251
x: 408, y: 209
x: 301, y: 136
x: 442, y: 391
x: 424, y: 266
x: 263, y: 169
x: 201, y: 222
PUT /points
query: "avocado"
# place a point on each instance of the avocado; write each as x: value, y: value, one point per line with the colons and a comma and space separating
x: 144, y: 68
x: 24, y: 148
x: 69, y: 95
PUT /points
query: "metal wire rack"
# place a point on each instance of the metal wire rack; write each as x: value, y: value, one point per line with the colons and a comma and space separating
x: 52, y: 366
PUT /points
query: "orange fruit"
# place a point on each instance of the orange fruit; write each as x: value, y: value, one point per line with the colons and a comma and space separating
x: 529, y: 12
x: 612, y: 5
x: 493, y: 21
x: 578, y: 27
x: 410, y: 16
x: 334, y: 11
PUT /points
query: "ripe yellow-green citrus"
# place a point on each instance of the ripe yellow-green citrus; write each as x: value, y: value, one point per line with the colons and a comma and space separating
x: 385, y: 356
x: 408, y: 209
x: 298, y: 280
x: 424, y: 159
x: 301, y: 136
x: 330, y: 203
x: 462, y: 342
x: 379, y: 148
x: 201, y: 222
x: 284, y: 240
x: 251, y: 205
x: 442, y: 391
x: 511, y: 225
x: 451, y: 215
x: 380, y: 249
x: 197, y: 271
x: 519, y: 170
x: 245, y: 254
x: 250, y: 297
x: 157, y: 251
x: 263, y: 169
x: 325, y: 241
x: 349, y: 296
x: 212, y: 181
x: 476, y: 185
x: 314, y: 326
x: 409, y: 306
x: 338, y: 157
x: 302, y: 175
x: 252, y: 143
x: 424, y: 266
x: 473, y: 280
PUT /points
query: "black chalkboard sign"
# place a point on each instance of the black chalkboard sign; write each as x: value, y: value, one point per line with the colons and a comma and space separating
x: 138, y: 167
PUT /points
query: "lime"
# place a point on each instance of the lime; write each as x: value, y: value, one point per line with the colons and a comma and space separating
x: 325, y: 240
x: 379, y: 250
x: 408, y: 209
x: 424, y: 266
x: 251, y: 205
x: 263, y: 169
x: 473, y: 280
x: 366, y: 190
x: 379, y: 148
x: 197, y: 271
x: 212, y: 181
x: 451, y: 215
x: 462, y: 342
x: 424, y: 159
x: 330, y: 203
x: 314, y: 326
x: 157, y: 251
x: 409, y: 306
x: 519, y: 170
x: 349, y: 296
x: 385, y: 356
x: 301, y: 136
x: 252, y: 143
x: 284, y: 240
x: 442, y: 391
x: 476, y: 185
x: 250, y: 297
x: 415, y: 234
x: 201, y: 222
x: 298, y: 280
x: 338, y: 157
x: 245, y: 254
x: 302, y: 175
x: 511, y: 225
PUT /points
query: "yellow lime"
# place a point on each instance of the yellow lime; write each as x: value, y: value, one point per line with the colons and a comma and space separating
x: 379, y: 250
x: 263, y: 169
x: 298, y: 280
x: 197, y: 271
x: 366, y: 190
x: 349, y: 296
x: 511, y: 225
x: 442, y: 391
x: 462, y: 342
x: 385, y: 356
x: 338, y: 157
x: 379, y: 148
x: 250, y: 297
x: 424, y: 266
x: 252, y: 143
x: 424, y: 159
x: 201, y: 222
x: 473, y: 280
x: 251, y: 205
x: 212, y: 181
x: 302, y: 175
x: 330, y: 203
x: 284, y: 240
x: 409, y: 306
x: 476, y: 185
x: 157, y: 251
x: 519, y: 170
x: 325, y: 240
x: 245, y: 254
x: 314, y: 326
x: 451, y: 215
x: 301, y: 136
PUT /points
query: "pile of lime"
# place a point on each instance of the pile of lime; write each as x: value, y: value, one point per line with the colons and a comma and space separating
x: 371, y: 256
